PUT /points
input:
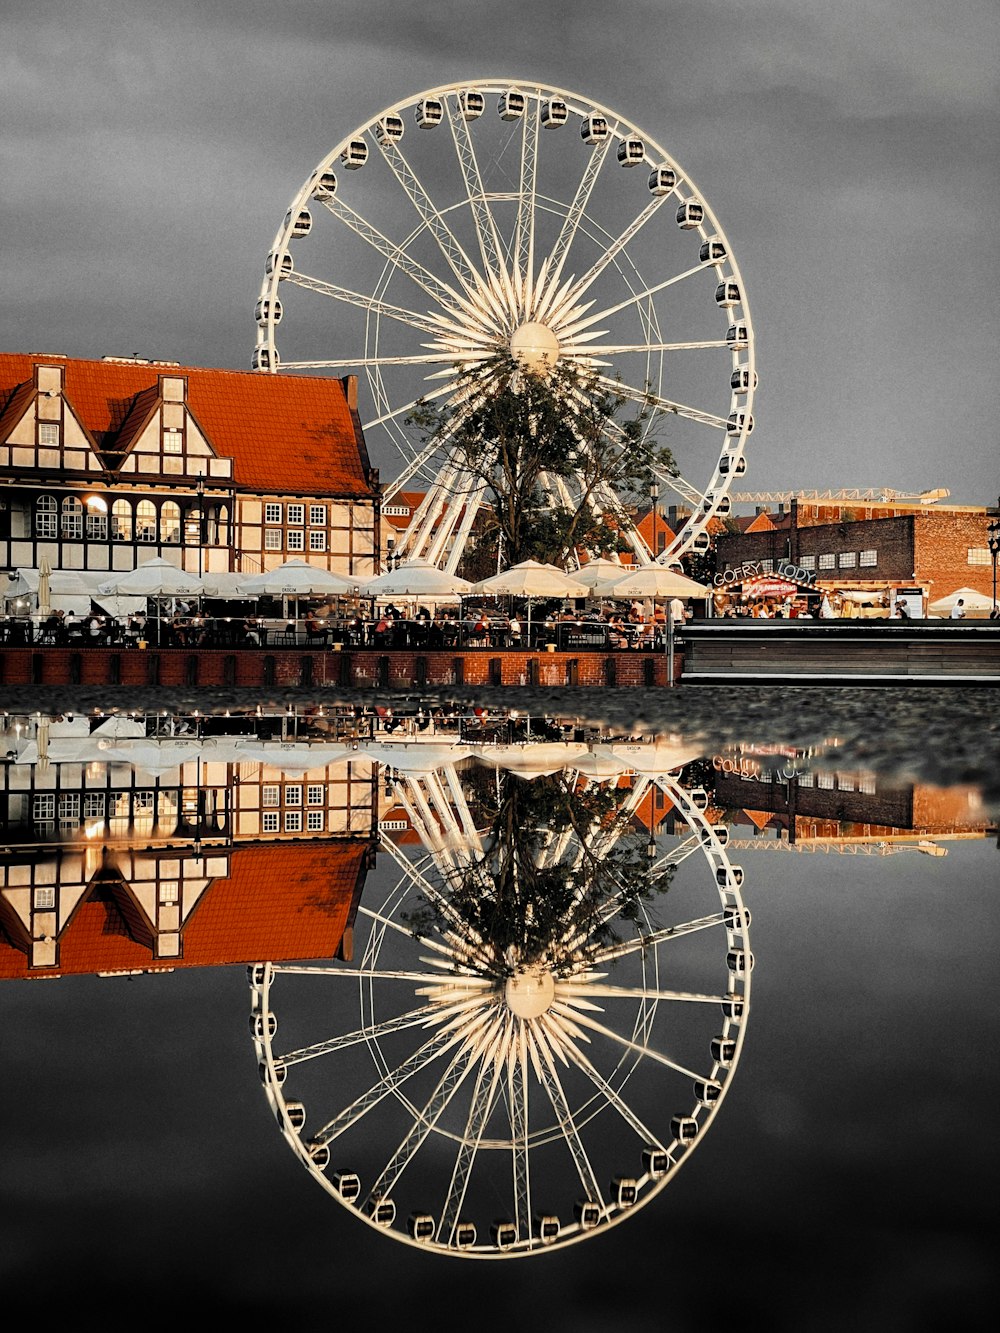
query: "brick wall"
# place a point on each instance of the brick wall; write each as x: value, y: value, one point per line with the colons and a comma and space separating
x: 398, y: 669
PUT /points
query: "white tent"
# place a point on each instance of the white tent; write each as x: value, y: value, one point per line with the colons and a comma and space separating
x: 974, y: 602
x: 417, y: 578
x: 599, y: 571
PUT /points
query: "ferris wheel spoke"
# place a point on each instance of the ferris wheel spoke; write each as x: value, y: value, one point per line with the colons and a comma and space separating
x: 576, y: 210
x: 388, y: 923
x: 458, y: 261
x: 524, y: 246
x: 656, y: 937
x: 413, y: 1018
x: 622, y: 349
x: 613, y: 1098
x: 603, y: 992
x: 545, y: 1067
x: 595, y: 316
x: 396, y: 412
x: 369, y: 303
x: 517, y: 1110
x: 424, y: 1121
x: 641, y: 1048
x: 439, y: 292
x: 662, y: 404
x: 395, y: 1078
x: 490, y: 248
x: 618, y: 245
x: 483, y: 1094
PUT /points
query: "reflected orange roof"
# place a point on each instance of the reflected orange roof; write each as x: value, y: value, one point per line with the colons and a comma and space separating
x: 280, y: 901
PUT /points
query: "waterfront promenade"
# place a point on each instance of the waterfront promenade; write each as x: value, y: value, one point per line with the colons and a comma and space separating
x: 707, y: 652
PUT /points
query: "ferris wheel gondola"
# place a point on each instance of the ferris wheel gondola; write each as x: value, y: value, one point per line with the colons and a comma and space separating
x: 468, y: 221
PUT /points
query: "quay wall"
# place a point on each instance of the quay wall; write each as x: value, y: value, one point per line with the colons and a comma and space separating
x: 396, y: 669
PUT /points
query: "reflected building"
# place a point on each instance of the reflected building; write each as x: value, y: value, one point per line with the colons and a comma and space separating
x: 127, y: 850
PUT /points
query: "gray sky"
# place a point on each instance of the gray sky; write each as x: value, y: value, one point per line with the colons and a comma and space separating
x: 148, y: 152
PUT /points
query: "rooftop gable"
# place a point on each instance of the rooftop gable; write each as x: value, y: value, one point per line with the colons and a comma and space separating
x: 284, y: 433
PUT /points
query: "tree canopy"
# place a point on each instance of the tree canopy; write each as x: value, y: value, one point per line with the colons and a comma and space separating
x: 561, y: 463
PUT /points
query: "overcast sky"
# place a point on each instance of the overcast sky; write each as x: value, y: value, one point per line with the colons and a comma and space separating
x: 148, y: 152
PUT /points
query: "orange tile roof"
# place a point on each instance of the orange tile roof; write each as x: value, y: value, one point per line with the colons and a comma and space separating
x: 280, y: 901
x: 285, y: 433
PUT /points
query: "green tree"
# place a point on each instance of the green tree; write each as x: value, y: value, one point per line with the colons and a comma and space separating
x: 520, y: 432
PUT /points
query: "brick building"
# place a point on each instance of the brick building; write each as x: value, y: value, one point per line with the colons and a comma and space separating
x: 107, y: 463
x: 868, y: 547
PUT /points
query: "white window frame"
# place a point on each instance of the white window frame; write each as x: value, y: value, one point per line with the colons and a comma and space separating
x: 173, y: 440
x: 868, y: 558
x: 43, y: 807
x: 827, y: 560
x: 293, y: 794
x: 43, y: 898
x: 270, y: 795
x: 272, y: 511
x: 317, y: 515
x: 315, y: 821
x: 293, y: 821
x: 93, y: 805
x: 295, y: 540
x: 807, y: 562
x: 315, y: 794
x: 274, y: 539
x: 317, y: 540
x: 48, y: 434
x: 847, y: 560
x: 979, y: 555
x: 270, y: 821
x: 296, y: 515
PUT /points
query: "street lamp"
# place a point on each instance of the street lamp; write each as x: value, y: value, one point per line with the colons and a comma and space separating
x: 994, y: 544
x: 200, y: 491
x: 654, y: 495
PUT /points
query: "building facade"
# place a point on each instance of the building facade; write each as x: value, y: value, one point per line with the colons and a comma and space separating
x: 874, y: 548
x: 105, y: 464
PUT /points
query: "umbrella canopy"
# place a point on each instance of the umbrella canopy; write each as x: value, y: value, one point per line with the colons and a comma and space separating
x: 44, y: 588
x: 599, y: 571
x: 653, y: 581
x: 296, y: 578
x: 417, y: 578
x: 153, y: 578
x: 972, y: 600
x: 530, y: 578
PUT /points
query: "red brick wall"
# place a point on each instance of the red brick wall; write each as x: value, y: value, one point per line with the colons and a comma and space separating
x: 942, y: 543
x: 554, y: 669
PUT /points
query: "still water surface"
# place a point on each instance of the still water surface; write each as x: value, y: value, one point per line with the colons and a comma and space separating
x: 663, y: 1021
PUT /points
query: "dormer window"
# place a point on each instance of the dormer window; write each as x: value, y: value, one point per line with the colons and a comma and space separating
x: 48, y: 433
x: 173, y: 440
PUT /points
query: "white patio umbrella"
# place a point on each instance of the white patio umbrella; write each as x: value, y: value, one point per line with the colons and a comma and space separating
x: 153, y: 578
x: 599, y: 571
x: 296, y: 578
x: 44, y: 587
x: 971, y: 600
x: 656, y: 581
x: 417, y: 578
x: 532, y: 579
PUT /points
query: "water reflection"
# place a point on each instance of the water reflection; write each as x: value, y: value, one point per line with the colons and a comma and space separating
x: 500, y: 965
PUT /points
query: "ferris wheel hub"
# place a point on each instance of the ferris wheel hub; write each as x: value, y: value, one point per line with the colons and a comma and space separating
x: 534, y: 346
x: 529, y: 994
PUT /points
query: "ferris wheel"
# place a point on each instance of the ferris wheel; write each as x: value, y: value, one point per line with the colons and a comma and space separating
x: 473, y: 1106
x: 500, y: 216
